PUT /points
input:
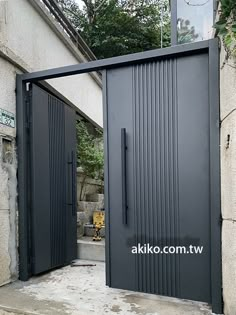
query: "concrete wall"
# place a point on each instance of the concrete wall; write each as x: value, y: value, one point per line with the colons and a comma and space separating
x: 28, y: 36
x: 228, y: 181
x: 31, y: 40
x: 8, y: 192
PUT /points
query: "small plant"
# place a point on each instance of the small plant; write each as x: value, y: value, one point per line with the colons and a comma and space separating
x: 226, y: 26
x: 90, y: 156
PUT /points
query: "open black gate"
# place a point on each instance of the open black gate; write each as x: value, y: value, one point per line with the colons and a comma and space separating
x: 162, y: 180
x: 52, y: 240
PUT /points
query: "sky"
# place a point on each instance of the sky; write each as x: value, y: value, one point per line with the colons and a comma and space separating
x: 80, y: 3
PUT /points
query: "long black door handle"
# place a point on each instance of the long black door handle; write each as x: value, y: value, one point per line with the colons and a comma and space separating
x: 123, y: 175
x: 73, y: 193
x: 72, y: 202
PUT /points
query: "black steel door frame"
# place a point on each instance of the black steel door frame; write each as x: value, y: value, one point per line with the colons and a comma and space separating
x: 209, y: 46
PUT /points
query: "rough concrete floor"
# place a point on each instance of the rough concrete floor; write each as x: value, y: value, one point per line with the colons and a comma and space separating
x: 82, y: 291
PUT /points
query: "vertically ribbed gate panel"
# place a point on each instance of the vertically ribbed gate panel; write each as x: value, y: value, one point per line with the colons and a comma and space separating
x: 155, y: 156
x: 162, y: 108
x: 56, y: 114
x: 53, y: 163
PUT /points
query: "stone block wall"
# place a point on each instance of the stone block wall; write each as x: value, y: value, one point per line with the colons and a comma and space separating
x: 91, y: 186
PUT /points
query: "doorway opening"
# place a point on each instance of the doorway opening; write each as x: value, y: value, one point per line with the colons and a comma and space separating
x: 90, y: 191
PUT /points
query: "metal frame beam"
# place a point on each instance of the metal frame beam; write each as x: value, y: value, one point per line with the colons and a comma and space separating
x: 22, y: 177
x: 115, y: 62
x: 215, y: 192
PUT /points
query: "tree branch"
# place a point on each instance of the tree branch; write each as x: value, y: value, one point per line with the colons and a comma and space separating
x: 99, y: 6
x: 71, y: 12
x: 85, y: 2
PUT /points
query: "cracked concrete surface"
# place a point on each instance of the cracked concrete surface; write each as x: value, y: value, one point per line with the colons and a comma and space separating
x: 82, y: 291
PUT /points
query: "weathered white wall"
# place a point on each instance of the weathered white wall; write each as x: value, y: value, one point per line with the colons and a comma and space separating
x: 8, y: 192
x: 30, y: 40
x: 24, y: 33
x: 228, y: 181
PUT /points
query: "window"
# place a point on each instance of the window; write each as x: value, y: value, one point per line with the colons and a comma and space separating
x: 194, y: 20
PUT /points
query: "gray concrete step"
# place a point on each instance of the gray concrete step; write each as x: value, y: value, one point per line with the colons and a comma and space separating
x: 90, y: 250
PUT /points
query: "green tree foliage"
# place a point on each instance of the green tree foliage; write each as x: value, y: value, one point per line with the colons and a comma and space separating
x: 119, y: 27
x: 89, y: 153
x: 226, y: 26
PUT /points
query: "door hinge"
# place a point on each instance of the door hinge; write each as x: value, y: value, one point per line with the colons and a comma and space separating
x: 27, y: 109
x: 220, y: 219
x: 32, y: 264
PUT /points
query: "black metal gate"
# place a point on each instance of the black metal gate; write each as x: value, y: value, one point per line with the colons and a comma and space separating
x: 162, y: 182
x: 162, y: 129
x: 159, y: 183
x: 52, y: 183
